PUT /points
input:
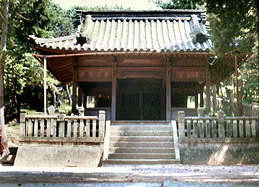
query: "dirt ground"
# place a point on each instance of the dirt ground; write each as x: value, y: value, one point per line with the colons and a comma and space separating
x: 145, y: 175
x: 244, y: 175
x: 12, y: 135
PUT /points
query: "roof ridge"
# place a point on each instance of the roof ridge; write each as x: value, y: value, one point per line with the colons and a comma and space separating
x: 144, y: 11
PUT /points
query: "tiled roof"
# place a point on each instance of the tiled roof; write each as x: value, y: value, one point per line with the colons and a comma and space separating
x: 141, y: 31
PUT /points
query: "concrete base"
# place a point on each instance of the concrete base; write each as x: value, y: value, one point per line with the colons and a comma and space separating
x: 51, y: 155
x: 219, y: 154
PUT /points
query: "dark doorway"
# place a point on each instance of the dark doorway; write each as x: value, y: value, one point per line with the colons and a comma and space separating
x: 140, y: 99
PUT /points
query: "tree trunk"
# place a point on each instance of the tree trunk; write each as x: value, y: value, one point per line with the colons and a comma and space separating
x: 214, y: 99
x: 68, y: 95
x: 241, y: 94
x: 4, y: 141
x: 54, y: 99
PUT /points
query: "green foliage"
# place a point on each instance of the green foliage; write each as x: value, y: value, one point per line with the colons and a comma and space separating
x: 233, y: 26
x: 233, y: 32
x: 23, y: 74
x: 180, y: 4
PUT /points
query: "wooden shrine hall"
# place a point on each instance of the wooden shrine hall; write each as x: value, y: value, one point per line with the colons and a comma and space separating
x: 137, y: 65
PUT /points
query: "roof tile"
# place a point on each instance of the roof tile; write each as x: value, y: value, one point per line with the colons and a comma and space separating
x: 134, y: 35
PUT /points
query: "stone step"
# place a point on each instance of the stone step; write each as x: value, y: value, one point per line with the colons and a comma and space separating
x: 142, y: 156
x: 8, y: 160
x: 141, y: 138
x: 141, y: 161
x: 141, y: 133
x: 136, y: 122
x: 140, y: 128
x: 113, y: 150
x: 142, y: 144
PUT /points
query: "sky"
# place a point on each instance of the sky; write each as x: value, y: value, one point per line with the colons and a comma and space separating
x: 132, y: 4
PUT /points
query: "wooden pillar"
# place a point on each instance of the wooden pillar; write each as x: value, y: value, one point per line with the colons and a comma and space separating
x: 141, y: 105
x: 114, y: 90
x: 196, y: 100
x: 74, y: 96
x: 208, y: 92
x: 84, y: 100
x: 45, y: 85
x: 168, y: 93
x: 201, y: 97
x: 236, y: 73
x: 80, y: 97
x: 163, y: 100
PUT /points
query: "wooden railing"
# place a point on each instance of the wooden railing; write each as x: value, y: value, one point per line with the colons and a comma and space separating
x: 217, y: 129
x: 62, y: 128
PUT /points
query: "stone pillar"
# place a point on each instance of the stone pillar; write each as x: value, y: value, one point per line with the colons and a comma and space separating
x: 181, y: 125
x: 61, y: 118
x: 22, y: 122
x: 221, y: 124
x: 101, y: 123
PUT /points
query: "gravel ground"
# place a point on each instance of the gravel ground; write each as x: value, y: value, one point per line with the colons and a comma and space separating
x: 162, y: 175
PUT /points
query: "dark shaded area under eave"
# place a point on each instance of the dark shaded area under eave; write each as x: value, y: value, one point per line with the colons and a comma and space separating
x: 224, y: 68
x: 62, y: 68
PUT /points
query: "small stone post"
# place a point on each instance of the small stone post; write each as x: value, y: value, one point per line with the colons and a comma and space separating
x: 255, y: 110
x: 61, y: 118
x: 22, y: 122
x: 201, y: 124
x: 221, y: 124
x: 201, y: 111
x: 255, y: 113
x: 181, y: 124
x: 101, y: 123
x: 81, y: 111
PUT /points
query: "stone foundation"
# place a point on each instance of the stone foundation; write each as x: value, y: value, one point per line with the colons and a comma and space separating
x: 219, y: 153
x: 52, y: 155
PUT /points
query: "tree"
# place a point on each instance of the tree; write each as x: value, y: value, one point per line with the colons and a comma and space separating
x: 183, y: 4
x: 234, y: 32
x: 3, y: 142
x: 23, y: 74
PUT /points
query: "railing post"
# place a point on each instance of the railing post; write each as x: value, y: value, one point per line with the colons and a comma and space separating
x: 61, y: 118
x: 176, y: 143
x: 201, y: 124
x: 221, y: 124
x: 181, y: 124
x: 101, y: 123
x: 22, y: 123
x: 106, y: 140
x: 201, y: 111
x: 255, y: 113
x: 81, y: 111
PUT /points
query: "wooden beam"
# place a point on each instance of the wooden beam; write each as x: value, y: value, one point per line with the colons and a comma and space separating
x: 122, y: 53
x: 114, y: 90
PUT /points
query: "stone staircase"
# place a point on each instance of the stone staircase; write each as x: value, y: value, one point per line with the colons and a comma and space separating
x: 141, y: 142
